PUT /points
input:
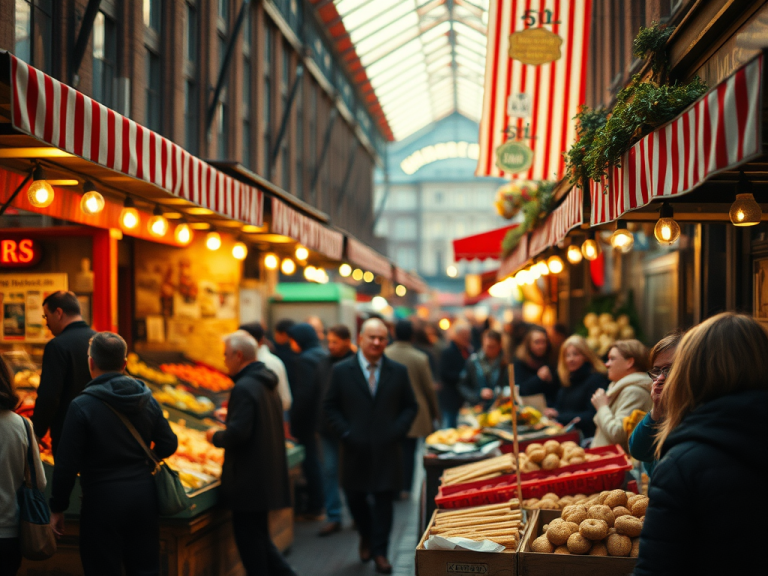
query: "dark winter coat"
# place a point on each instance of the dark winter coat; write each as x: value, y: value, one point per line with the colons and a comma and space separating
x: 528, y: 380
x: 451, y: 365
x: 64, y: 375
x: 576, y: 399
x: 304, y: 384
x: 96, y: 444
x: 717, y: 453
x: 371, y: 429
x: 473, y: 380
x: 255, y: 472
x: 323, y: 375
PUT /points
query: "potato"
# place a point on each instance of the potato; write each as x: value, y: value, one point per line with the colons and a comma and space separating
x: 590, y: 320
x: 627, y: 333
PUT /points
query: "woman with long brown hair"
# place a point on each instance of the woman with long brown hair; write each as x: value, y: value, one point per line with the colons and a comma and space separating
x: 713, y: 446
x: 15, y: 431
x: 581, y: 374
x: 532, y: 373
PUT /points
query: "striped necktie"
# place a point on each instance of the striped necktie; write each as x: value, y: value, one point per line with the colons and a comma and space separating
x: 372, y: 378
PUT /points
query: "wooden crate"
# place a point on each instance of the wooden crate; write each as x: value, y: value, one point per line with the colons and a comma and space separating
x: 531, y: 563
x: 458, y: 562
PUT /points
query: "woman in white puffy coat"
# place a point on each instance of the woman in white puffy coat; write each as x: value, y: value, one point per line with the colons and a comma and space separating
x: 630, y: 390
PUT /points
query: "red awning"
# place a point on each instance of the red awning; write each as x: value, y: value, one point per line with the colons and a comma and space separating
x: 557, y: 225
x: 63, y: 117
x: 719, y: 132
x: 481, y: 246
x: 367, y: 258
x: 308, y: 232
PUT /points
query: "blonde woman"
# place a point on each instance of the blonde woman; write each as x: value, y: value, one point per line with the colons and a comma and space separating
x: 713, y: 448
x: 581, y: 374
x: 630, y: 390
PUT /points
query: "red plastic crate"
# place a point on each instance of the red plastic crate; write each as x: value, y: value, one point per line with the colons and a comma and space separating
x: 587, y: 478
x: 507, y: 448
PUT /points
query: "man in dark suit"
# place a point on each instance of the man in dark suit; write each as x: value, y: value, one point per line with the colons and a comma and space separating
x: 254, y: 478
x: 370, y: 406
x: 65, y: 364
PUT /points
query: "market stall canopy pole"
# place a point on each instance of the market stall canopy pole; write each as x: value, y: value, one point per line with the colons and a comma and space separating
x: 720, y: 131
x: 61, y: 116
x: 515, y: 442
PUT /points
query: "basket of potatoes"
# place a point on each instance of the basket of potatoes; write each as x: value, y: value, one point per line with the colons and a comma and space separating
x: 607, y: 524
x: 604, y: 330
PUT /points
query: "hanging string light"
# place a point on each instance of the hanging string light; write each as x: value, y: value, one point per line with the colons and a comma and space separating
x: 622, y: 239
x: 301, y: 253
x: 401, y: 290
x: 590, y: 249
x: 92, y: 201
x: 213, y: 240
x: 345, y: 270
x: 745, y: 211
x: 129, y: 217
x: 555, y: 264
x: 239, y: 251
x: 271, y: 262
x: 288, y: 267
x: 40, y: 193
x: 158, y: 224
x: 667, y: 231
x: 574, y: 254
x: 182, y: 233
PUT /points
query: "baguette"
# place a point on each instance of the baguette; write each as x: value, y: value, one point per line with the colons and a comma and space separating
x: 474, y: 520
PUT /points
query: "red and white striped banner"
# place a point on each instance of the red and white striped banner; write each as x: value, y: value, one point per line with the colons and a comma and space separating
x: 365, y: 257
x: 514, y: 261
x: 63, y: 117
x: 537, y: 103
x: 308, y: 232
x: 562, y: 219
x: 718, y: 132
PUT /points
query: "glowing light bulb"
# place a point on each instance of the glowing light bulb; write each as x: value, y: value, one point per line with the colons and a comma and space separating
x: 158, y: 224
x: 622, y: 239
x: 345, y: 270
x: 213, y: 241
x: 129, y: 217
x: 368, y: 277
x: 271, y: 262
x: 555, y: 264
x: 92, y: 203
x: 288, y: 267
x: 40, y: 193
x: 401, y: 290
x: 357, y: 274
x: 310, y: 273
x: 444, y: 324
x: 590, y: 250
x: 574, y: 254
x: 239, y: 251
x: 452, y: 271
x: 183, y: 233
x: 745, y: 211
x: 302, y: 253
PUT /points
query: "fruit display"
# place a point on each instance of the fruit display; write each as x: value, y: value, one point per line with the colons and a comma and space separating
x: 139, y: 369
x: 450, y: 436
x: 607, y: 524
x: 200, y: 376
x: 500, y: 523
x: 195, y: 454
x: 184, y: 400
x: 603, y: 331
x: 27, y: 379
x: 503, y: 414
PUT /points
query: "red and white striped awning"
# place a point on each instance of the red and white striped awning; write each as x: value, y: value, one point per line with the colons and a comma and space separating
x: 516, y: 260
x: 63, y: 117
x: 308, y: 232
x: 534, y: 104
x: 481, y: 246
x: 555, y: 227
x: 719, y: 132
x: 368, y: 259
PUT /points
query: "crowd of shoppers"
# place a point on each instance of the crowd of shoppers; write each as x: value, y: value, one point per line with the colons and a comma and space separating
x: 689, y: 410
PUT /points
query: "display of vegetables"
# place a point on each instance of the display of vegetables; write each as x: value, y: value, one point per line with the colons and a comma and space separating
x: 200, y: 376
x: 26, y: 379
x: 195, y: 454
x: 183, y: 400
x: 139, y: 369
x: 603, y: 331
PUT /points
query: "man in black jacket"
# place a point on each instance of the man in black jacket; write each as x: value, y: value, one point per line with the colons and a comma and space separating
x: 305, y: 389
x: 340, y: 348
x: 254, y: 478
x: 65, y: 364
x: 452, y: 362
x: 119, y: 520
x: 370, y: 406
x: 485, y: 374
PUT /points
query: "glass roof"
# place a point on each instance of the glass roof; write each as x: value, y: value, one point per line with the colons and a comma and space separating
x: 425, y: 58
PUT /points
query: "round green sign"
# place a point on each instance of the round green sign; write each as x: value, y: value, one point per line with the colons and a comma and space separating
x: 514, y: 156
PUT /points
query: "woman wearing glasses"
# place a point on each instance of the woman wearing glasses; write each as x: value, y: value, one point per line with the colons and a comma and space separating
x: 642, y: 442
x: 630, y: 390
x: 713, y: 456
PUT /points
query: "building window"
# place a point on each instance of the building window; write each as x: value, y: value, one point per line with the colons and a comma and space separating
x: 284, y: 92
x: 405, y: 229
x: 104, y: 60
x: 153, y: 91
x: 406, y: 258
x: 191, y: 116
x: 267, y: 108
x: 312, y: 131
x: 152, y: 9
x: 438, y: 198
x: 223, y: 10
x: 33, y: 31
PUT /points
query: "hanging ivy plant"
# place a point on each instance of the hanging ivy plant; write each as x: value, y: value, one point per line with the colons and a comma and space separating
x: 534, y: 211
x: 640, y: 108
